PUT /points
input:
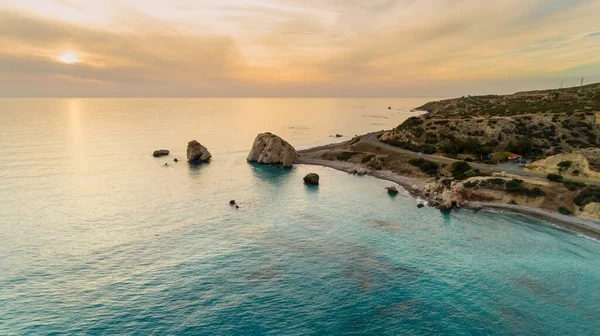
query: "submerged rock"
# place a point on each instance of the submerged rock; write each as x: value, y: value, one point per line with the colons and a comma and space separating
x: 197, y: 153
x: 160, y: 152
x: 269, y: 148
x: 311, y: 179
x: 392, y: 190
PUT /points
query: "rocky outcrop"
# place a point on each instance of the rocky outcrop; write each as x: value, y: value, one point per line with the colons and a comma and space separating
x: 577, y: 164
x: 196, y: 153
x: 311, y: 179
x: 392, y: 190
x: 160, y: 152
x: 268, y: 148
x: 445, y: 196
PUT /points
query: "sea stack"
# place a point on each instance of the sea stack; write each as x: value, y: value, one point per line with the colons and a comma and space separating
x: 196, y: 153
x: 268, y: 148
x: 311, y: 179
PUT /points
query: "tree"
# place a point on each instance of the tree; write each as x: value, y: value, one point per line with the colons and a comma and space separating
x: 564, y: 165
x: 459, y: 168
x: 554, y: 177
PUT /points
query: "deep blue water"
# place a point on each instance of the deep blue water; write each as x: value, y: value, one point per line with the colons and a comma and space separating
x: 98, y: 237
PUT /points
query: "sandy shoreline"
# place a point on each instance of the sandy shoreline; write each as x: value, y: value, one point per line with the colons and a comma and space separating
x: 414, y: 186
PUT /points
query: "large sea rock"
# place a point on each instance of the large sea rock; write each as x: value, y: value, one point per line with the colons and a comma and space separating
x: 196, y: 153
x: 269, y: 148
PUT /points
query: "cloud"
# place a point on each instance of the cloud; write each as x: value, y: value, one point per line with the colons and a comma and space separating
x: 31, y: 45
x: 293, y: 47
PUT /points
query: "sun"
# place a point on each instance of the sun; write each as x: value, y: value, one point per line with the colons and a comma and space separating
x: 68, y: 58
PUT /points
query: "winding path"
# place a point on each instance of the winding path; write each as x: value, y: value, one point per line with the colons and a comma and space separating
x: 373, y: 139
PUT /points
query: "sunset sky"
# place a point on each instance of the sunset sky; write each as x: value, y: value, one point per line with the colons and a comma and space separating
x: 347, y: 48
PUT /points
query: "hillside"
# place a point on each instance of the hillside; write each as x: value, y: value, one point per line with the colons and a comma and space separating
x: 534, y: 124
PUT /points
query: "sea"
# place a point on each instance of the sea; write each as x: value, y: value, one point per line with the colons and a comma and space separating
x: 98, y: 237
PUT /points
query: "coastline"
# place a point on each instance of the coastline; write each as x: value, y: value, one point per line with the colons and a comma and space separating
x: 414, y: 186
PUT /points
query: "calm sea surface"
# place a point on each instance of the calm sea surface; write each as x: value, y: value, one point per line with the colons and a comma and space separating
x: 99, y: 237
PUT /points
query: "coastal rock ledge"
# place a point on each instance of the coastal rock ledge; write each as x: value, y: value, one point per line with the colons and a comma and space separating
x: 268, y: 148
x: 196, y: 153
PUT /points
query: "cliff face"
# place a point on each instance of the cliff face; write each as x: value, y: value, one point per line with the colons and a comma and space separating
x: 534, y: 124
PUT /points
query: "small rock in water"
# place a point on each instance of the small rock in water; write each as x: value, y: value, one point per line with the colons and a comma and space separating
x: 420, y: 205
x: 311, y: 179
x: 389, y: 107
x: 175, y: 159
x: 392, y: 190
x: 160, y: 152
x: 338, y: 135
x: 232, y: 202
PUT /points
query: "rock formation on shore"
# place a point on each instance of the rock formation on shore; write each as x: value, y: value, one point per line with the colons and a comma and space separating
x: 392, y: 190
x: 269, y: 148
x: 196, y: 153
x: 160, y: 152
x: 311, y: 179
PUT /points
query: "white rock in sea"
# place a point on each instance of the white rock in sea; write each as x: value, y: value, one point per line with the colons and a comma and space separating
x: 269, y: 148
x: 197, y: 153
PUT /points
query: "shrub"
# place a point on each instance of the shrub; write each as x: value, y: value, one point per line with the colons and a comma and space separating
x: 571, y: 185
x: 367, y: 158
x: 587, y: 195
x: 425, y: 166
x: 411, y: 123
x: 470, y: 184
x: 565, y: 211
x: 428, y: 149
x: 522, y: 147
x: 345, y: 156
x: 554, y: 177
x: 535, y: 192
x: 459, y: 168
x: 564, y: 165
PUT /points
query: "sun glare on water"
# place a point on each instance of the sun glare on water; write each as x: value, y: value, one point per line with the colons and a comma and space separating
x: 68, y: 58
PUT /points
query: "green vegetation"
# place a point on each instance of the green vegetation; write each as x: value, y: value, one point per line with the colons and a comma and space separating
x: 460, y: 170
x: 571, y: 185
x: 470, y: 145
x: 522, y: 147
x: 425, y: 166
x: 532, y: 124
x: 564, y: 165
x: 514, y: 186
x: 587, y: 195
x: 345, y: 156
x: 565, y: 211
x: 554, y: 177
x: 367, y: 158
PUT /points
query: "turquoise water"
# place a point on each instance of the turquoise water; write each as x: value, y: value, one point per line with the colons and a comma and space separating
x: 98, y: 237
